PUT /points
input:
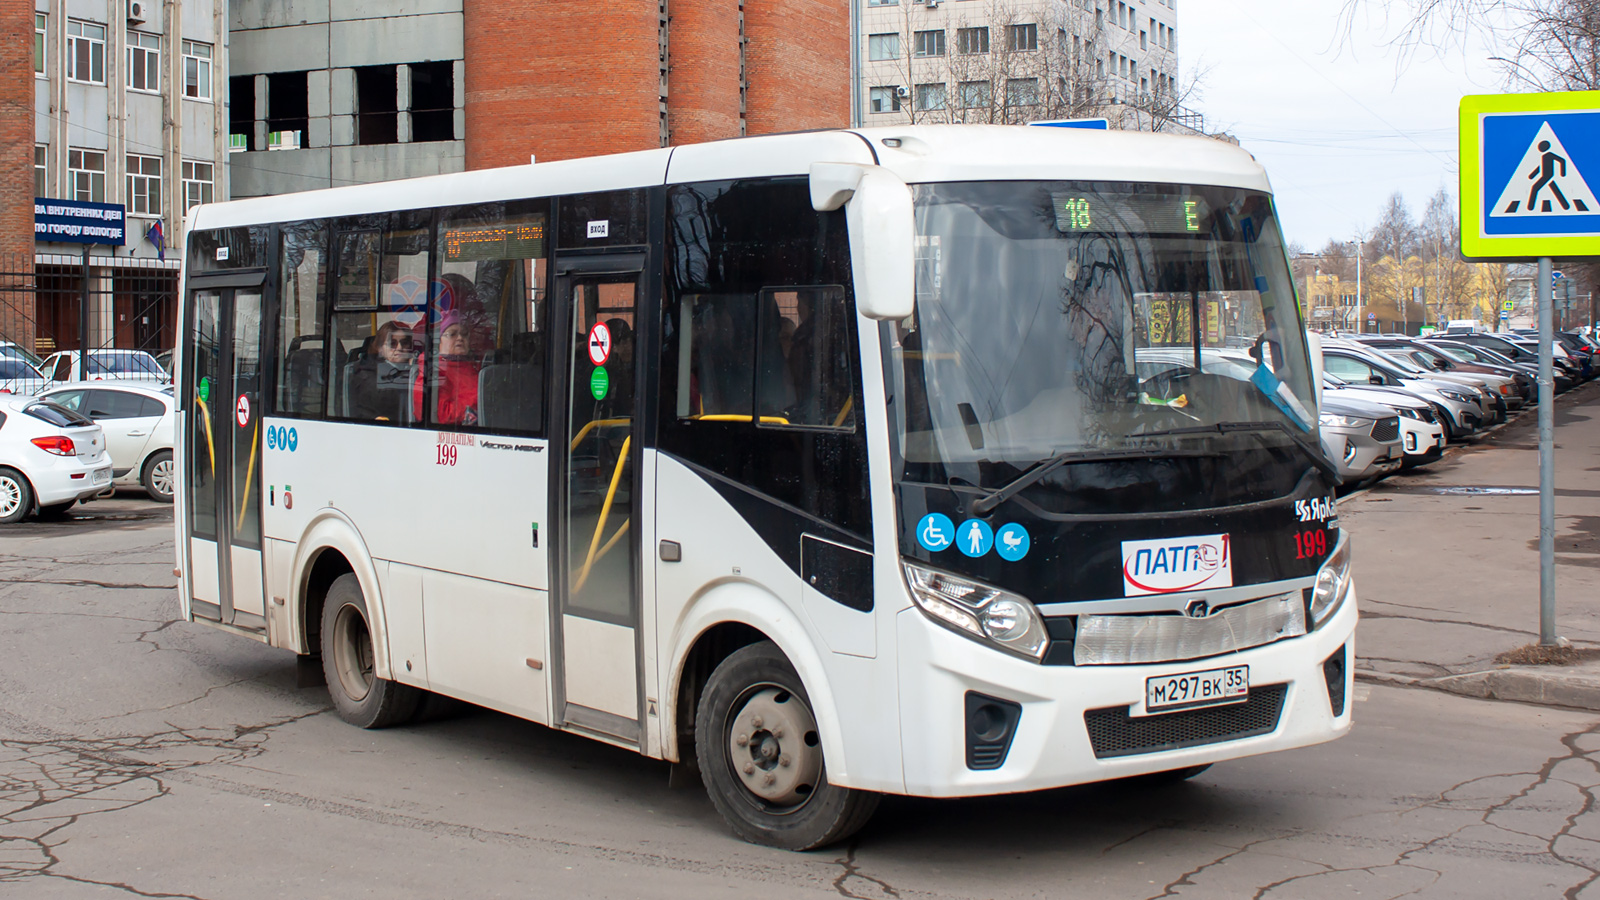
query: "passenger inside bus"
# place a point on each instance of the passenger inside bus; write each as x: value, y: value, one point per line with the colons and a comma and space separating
x: 453, y: 374
x: 380, y: 377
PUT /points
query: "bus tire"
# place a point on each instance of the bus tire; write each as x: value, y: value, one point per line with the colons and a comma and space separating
x: 360, y: 697
x: 761, y: 759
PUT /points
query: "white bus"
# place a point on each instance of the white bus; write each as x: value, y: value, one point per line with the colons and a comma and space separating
x: 829, y: 465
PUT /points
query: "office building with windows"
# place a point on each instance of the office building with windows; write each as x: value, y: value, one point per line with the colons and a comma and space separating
x: 127, y: 111
x: 987, y: 61
x: 331, y: 93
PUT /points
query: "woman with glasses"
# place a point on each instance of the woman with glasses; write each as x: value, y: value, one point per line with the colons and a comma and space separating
x: 379, y: 381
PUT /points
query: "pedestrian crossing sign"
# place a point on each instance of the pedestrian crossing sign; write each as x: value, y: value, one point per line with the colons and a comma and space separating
x: 1530, y: 165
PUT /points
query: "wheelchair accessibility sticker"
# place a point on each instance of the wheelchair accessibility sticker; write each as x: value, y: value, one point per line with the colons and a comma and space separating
x: 281, y: 438
x: 973, y: 537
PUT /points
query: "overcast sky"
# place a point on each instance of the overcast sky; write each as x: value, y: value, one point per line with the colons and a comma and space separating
x: 1339, y: 124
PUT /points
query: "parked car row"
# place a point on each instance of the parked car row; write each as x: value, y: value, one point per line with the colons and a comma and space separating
x: 1391, y: 402
x: 64, y: 439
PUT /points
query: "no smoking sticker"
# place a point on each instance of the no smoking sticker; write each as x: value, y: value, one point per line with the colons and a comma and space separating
x: 599, y: 344
x: 241, y: 410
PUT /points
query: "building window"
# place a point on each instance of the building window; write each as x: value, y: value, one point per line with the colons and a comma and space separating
x: 144, y: 61
x: 286, y: 110
x: 144, y: 185
x: 930, y: 97
x: 86, y: 175
x: 433, y: 101
x: 197, y: 183
x: 196, y: 70
x: 1144, y: 40
x: 883, y: 2
x: 1022, y: 92
x: 885, y: 99
x: 883, y: 46
x: 975, y: 94
x: 38, y: 43
x: 39, y: 171
x: 1022, y: 37
x: 928, y: 43
x: 377, y: 109
x: 86, y: 52
x: 972, y: 40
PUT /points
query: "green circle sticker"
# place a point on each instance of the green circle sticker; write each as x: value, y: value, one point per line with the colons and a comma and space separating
x: 205, y: 389
x: 599, y: 383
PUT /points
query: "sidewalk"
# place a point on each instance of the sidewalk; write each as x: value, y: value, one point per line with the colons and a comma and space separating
x: 1447, y: 563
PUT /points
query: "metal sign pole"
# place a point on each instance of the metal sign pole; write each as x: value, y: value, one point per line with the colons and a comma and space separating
x: 1547, y: 464
x: 83, y: 320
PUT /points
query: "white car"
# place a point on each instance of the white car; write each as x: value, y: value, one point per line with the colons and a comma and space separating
x: 1421, y: 434
x: 18, y: 376
x: 139, y: 423
x: 50, y: 458
x: 106, y: 364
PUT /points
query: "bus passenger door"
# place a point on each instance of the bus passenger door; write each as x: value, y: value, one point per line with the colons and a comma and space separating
x: 596, y: 485
x: 222, y: 437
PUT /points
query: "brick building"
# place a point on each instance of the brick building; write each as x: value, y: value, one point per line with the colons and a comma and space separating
x: 330, y: 93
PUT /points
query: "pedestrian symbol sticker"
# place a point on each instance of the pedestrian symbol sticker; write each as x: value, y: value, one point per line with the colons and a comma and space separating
x: 1546, y: 183
x: 935, y: 532
x: 974, y: 538
x: 599, y: 344
x: 1011, y: 542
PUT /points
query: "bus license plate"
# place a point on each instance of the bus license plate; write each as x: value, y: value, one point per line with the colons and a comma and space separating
x: 1190, y: 689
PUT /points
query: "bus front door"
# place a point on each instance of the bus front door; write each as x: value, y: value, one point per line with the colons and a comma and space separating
x: 598, y: 606
x: 222, y: 437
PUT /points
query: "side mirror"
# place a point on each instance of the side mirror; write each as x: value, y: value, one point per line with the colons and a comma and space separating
x: 879, y: 216
x: 1375, y: 379
x: 1441, y: 364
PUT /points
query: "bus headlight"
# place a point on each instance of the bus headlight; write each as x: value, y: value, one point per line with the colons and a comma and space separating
x: 983, y: 613
x: 1333, y: 583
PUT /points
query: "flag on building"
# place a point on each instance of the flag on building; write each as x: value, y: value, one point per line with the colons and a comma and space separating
x: 157, y: 237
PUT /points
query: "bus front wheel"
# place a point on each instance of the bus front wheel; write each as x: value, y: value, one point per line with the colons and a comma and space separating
x: 760, y: 756
x: 360, y: 697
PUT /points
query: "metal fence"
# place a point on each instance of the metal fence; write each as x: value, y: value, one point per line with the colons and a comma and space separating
x: 50, y: 303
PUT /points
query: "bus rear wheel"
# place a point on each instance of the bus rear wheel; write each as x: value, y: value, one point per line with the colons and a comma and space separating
x: 359, y: 696
x: 761, y: 758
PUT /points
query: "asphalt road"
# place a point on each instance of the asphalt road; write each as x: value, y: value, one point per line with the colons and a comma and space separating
x: 147, y: 757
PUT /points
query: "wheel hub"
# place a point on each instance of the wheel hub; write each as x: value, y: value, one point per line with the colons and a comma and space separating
x: 353, y: 653
x: 773, y: 746
x: 10, y: 496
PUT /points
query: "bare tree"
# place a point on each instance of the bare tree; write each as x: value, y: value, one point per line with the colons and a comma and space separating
x: 1548, y: 45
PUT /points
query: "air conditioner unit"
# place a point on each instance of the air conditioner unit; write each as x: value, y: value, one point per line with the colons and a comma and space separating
x: 933, y: 4
x: 901, y: 92
x: 136, y: 11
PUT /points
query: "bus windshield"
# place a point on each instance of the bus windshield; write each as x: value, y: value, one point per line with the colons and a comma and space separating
x: 1057, y: 317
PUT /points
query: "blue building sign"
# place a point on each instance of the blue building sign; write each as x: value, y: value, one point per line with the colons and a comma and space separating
x: 79, y: 222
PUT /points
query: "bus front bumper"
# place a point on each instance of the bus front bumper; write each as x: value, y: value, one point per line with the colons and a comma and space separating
x: 1051, y: 745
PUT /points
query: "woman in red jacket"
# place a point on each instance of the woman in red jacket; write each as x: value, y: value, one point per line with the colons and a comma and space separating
x: 454, y: 375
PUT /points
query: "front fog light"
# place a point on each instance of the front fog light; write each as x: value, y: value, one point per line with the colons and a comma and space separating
x: 979, y: 611
x: 1333, y: 583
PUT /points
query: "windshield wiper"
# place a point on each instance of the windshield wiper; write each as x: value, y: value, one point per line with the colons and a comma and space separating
x: 986, y: 504
x: 1318, y: 458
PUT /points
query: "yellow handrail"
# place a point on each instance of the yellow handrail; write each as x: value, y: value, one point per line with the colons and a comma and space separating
x: 849, y: 404
x: 211, y: 444
x: 249, y: 475
x: 730, y: 417
x: 605, y: 512
x: 590, y: 426
x: 583, y: 576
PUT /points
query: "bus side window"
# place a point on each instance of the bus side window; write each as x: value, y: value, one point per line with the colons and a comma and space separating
x: 805, y: 343
x: 303, y: 299
x: 715, y: 355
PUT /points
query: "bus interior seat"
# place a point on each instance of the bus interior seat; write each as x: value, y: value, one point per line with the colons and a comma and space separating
x: 510, y: 396
x: 304, y: 379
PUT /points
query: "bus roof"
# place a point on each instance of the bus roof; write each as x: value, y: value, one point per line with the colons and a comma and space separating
x: 916, y: 153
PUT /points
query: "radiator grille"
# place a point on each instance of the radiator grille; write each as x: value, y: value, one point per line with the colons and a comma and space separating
x: 1113, y: 732
x: 1386, y: 429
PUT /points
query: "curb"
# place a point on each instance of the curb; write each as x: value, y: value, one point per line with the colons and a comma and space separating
x: 1544, y: 686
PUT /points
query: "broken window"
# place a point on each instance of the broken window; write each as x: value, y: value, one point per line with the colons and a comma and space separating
x: 377, y: 110
x: 286, y: 110
x: 433, y: 101
x: 242, y: 112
